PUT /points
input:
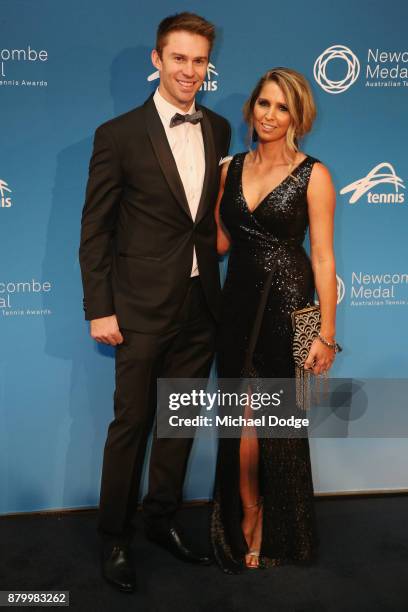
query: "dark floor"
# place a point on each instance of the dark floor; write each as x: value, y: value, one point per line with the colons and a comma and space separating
x: 363, y: 565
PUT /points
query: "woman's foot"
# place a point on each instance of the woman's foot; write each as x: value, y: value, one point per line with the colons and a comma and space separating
x: 252, y: 530
x: 252, y: 559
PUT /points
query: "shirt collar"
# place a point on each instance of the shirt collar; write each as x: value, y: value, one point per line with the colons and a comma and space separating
x: 167, y: 110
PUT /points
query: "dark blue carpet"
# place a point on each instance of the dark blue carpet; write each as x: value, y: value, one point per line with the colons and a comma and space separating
x: 363, y: 564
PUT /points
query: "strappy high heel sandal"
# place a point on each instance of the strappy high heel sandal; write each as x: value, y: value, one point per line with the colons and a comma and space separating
x: 253, y: 553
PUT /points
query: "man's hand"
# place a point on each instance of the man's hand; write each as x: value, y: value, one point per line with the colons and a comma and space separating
x: 106, y: 330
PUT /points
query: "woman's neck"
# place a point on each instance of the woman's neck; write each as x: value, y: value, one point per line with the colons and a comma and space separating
x: 273, y: 154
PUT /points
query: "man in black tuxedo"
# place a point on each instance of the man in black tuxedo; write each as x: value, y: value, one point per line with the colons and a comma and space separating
x: 151, y: 279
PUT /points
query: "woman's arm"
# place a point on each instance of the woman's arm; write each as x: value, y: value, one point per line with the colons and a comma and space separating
x: 321, y: 199
x: 223, y: 239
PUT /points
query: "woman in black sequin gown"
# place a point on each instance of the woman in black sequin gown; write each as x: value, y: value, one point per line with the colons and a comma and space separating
x: 263, y: 510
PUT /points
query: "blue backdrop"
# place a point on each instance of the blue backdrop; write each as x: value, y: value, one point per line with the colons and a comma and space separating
x: 67, y: 67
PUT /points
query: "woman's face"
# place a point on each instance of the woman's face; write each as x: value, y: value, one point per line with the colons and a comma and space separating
x: 270, y: 115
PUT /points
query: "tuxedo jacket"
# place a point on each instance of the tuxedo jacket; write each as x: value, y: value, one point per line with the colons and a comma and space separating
x: 138, y: 235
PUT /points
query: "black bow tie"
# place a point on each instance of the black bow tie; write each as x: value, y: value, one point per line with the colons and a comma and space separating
x: 178, y: 119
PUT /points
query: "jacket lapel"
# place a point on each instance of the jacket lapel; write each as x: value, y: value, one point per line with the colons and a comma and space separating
x: 210, y: 162
x: 164, y: 155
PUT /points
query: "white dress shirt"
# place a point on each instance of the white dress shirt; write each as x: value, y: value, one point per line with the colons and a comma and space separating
x: 187, y: 146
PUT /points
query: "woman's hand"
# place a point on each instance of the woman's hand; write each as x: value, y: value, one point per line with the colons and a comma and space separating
x: 223, y: 239
x: 320, y: 357
x: 223, y: 242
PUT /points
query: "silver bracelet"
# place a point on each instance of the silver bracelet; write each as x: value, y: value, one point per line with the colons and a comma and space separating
x: 334, y: 346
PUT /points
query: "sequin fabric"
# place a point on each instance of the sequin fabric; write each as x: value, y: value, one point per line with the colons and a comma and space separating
x: 266, y: 241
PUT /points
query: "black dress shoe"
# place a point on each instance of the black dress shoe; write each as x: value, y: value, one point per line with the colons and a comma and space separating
x: 171, y: 541
x: 118, y: 569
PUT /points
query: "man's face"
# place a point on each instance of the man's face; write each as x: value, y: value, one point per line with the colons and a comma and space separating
x: 182, y: 66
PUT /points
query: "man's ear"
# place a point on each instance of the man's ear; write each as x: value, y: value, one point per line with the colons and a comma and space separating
x: 156, y: 61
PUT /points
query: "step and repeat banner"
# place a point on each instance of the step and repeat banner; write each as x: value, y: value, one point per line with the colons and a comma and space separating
x: 67, y: 67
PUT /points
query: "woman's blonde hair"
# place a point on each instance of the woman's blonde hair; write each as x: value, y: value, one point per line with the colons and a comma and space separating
x: 299, y: 99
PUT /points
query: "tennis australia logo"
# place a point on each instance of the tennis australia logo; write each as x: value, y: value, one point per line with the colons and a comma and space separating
x: 5, y: 198
x: 381, y: 174
x: 350, y: 69
x: 155, y: 75
x: 210, y: 84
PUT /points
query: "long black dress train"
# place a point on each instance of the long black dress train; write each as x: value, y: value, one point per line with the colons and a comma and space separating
x: 266, y: 252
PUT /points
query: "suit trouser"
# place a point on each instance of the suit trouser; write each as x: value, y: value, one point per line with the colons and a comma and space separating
x: 184, y: 352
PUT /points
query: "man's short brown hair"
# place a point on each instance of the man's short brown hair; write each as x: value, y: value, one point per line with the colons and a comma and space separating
x: 189, y: 22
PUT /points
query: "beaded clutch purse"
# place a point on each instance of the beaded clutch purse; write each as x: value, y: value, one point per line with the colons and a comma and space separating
x: 306, y: 326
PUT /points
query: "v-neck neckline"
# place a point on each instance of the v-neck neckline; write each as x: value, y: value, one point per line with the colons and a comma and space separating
x: 253, y: 210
